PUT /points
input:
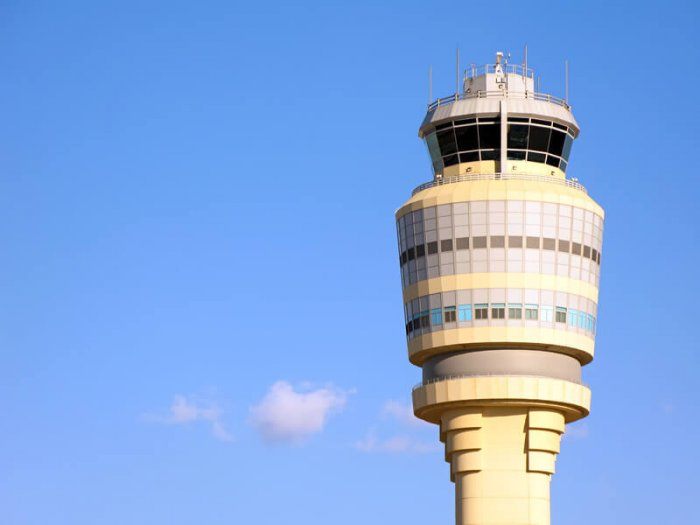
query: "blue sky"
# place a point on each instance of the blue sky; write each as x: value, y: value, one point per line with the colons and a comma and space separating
x: 200, y: 317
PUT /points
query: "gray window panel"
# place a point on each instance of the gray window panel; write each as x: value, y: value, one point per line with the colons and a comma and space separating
x: 533, y: 242
x: 479, y: 242
x: 497, y: 241
x: 463, y: 243
x: 446, y: 245
x: 515, y: 241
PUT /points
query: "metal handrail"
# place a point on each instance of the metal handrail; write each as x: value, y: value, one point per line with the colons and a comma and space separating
x: 495, y: 374
x: 469, y: 177
x: 499, y: 94
x: 517, y: 69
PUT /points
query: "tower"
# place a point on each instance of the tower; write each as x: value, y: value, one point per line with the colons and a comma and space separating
x: 500, y: 263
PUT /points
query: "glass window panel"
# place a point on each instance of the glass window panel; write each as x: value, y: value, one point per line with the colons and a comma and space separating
x: 561, y: 314
x: 465, y: 121
x: 465, y: 312
x: 434, y: 151
x: 463, y: 243
x: 515, y: 241
x: 450, y: 314
x: 446, y: 245
x: 489, y: 136
x: 467, y: 138
x: 446, y: 140
x: 479, y: 242
x: 516, y: 155
x: 515, y: 311
x: 497, y: 241
x: 493, y: 154
x: 450, y: 160
x: 517, y: 136
x: 531, y: 311
x: 539, y: 138
x: 556, y: 142
x: 432, y: 248
x: 498, y: 311
x: 536, y: 157
x: 472, y: 156
x: 436, y: 316
x: 552, y: 161
x: 481, y: 311
x: 546, y: 313
x: 543, y: 122
x: 568, y: 141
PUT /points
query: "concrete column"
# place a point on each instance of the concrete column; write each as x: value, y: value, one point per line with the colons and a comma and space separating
x: 502, y: 459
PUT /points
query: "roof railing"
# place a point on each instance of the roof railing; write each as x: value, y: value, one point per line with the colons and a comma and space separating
x: 474, y: 71
x: 494, y: 374
x: 521, y: 95
x: 470, y: 177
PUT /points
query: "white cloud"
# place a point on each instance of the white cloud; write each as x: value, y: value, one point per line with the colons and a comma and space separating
x: 403, y: 413
x: 396, y: 444
x: 287, y: 415
x: 184, y: 411
x: 578, y: 430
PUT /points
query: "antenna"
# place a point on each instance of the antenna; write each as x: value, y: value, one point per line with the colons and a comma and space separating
x: 566, y: 80
x: 430, y: 84
x: 525, y: 61
x: 457, y: 73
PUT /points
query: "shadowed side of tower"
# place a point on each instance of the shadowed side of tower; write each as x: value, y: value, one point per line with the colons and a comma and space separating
x: 500, y: 258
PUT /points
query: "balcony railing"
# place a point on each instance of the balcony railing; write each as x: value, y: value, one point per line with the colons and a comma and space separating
x: 469, y: 177
x: 499, y: 94
x: 475, y: 376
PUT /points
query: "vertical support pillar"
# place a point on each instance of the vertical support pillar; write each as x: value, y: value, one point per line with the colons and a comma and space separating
x: 504, y: 136
x: 501, y: 461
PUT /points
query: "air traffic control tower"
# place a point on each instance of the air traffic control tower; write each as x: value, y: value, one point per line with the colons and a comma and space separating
x: 500, y: 261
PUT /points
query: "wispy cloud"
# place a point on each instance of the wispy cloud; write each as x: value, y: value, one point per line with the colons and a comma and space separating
x: 289, y: 415
x: 184, y: 411
x: 396, y: 444
x: 403, y: 413
x: 578, y: 430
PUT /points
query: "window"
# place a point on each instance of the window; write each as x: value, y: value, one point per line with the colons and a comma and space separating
x: 561, y: 314
x: 498, y: 311
x: 516, y: 155
x: 535, y: 157
x: 531, y: 312
x: 467, y: 138
x: 515, y: 242
x: 450, y: 314
x: 411, y: 254
x: 436, y: 316
x: 424, y: 321
x: 546, y: 313
x: 446, y: 139
x: 497, y: 241
x: 547, y: 244
x: 573, y: 318
x: 481, y: 311
x: 479, y: 242
x: 587, y: 252
x: 489, y: 136
x: 517, y: 136
x: 462, y: 243
x: 465, y: 312
x: 450, y: 160
x: 533, y: 242
x: 470, y: 156
x: 515, y: 311
x: 432, y: 248
x: 539, y: 139
x: 446, y: 245
x: 564, y: 246
x: 575, y: 248
x: 556, y: 143
x: 420, y: 250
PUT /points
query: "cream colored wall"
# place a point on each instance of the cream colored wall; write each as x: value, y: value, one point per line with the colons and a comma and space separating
x: 514, y: 166
x: 425, y: 346
x: 500, y: 190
